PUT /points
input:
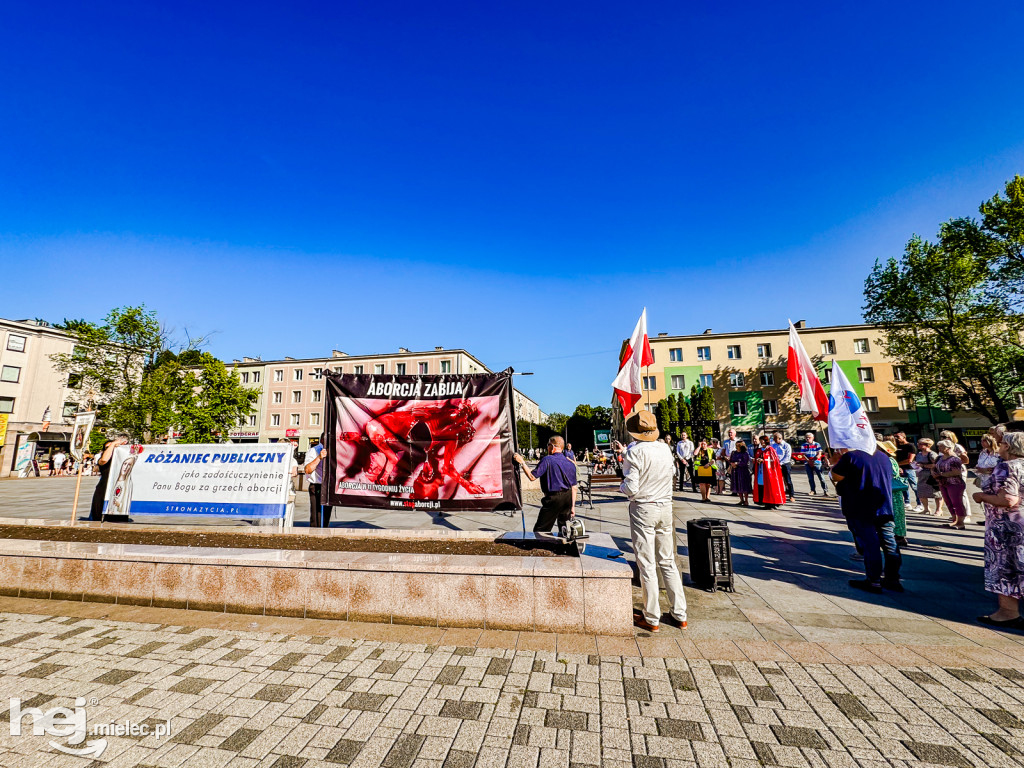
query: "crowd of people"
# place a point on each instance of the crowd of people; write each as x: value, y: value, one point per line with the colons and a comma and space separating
x: 874, y: 491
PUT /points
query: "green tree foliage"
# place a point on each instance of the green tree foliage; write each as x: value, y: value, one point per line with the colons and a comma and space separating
x: 556, y: 422
x: 525, y: 432
x: 682, y: 411
x: 584, y: 420
x: 663, y: 414
x: 124, y: 369
x: 201, y: 403
x: 950, y: 310
x: 108, y: 361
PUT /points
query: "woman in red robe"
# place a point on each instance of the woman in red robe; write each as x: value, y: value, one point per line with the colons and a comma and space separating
x: 768, y: 486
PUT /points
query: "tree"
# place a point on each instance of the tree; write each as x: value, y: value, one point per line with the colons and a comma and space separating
x: 949, y: 323
x: 526, y: 434
x: 706, y: 408
x: 138, y: 385
x: 663, y: 416
x: 108, y: 361
x: 579, y: 429
x: 556, y: 422
x: 201, y: 404
x: 683, y: 411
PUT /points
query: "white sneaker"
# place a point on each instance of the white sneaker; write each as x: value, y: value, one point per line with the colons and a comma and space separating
x: 919, y: 508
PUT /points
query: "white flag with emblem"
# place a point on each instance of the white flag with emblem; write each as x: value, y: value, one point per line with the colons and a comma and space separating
x: 848, y: 425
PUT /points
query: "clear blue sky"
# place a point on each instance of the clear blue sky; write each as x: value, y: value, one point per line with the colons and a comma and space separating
x: 518, y: 179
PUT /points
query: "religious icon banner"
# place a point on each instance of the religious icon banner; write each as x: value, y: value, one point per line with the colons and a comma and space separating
x: 437, y: 443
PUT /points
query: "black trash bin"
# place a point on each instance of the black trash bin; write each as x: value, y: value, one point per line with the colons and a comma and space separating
x: 707, y: 540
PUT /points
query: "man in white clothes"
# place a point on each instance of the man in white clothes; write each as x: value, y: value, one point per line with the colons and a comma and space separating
x: 647, y: 482
x: 728, y: 446
x: 684, y: 455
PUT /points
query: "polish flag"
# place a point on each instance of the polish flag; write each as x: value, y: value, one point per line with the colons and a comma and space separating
x: 801, y: 371
x: 637, y: 355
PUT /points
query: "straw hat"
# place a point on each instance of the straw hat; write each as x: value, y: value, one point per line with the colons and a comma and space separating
x: 888, y: 446
x: 643, y: 426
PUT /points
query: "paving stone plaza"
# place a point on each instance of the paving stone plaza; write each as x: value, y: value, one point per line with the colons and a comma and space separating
x: 793, y: 669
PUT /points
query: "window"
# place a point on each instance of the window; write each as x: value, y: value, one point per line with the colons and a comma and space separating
x: 1018, y: 397
x: 74, y: 381
x: 424, y: 369
x: 860, y: 346
x: 314, y: 419
x: 676, y: 354
x: 358, y: 369
x: 252, y: 421
x: 379, y: 368
x: 678, y: 382
x: 400, y: 369
x: 735, y: 379
x: 12, y: 374
x: 870, y: 404
x: 764, y: 351
x: 295, y: 420
x: 337, y: 369
x: 297, y: 375
x: 278, y: 397
x: 899, y: 373
x: 245, y: 378
x: 317, y: 394
x: 828, y: 347
x: 906, y: 404
x: 826, y: 375
x: 446, y: 366
x: 706, y: 380
x: 703, y: 353
x: 297, y: 396
x: 255, y: 377
x: 733, y: 351
x: 6, y: 405
x: 70, y: 409
x: 771, y: 407
x: 652, y: 355
x: 767, y: 378
x: 279, y: 375
x: 318, y: 373
x: 866, y: 374
x: 739, y: 407
x: 275, y: 420
x: 16, y: 343
x: 650, y: 383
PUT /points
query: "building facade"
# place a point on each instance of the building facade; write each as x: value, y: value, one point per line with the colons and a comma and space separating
x: 29, y: 386
x: 747, y: 372
x: 291, y: 391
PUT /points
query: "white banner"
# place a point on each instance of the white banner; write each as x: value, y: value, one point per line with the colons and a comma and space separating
x: 216, y: 480
x: 80, y: 437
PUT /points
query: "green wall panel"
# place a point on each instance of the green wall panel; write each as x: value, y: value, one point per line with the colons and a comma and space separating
x: 690, y: 372
x: 849, y: 368
x: 755, y: 409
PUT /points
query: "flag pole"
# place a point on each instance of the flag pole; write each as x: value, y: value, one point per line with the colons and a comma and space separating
x: 78, y: 485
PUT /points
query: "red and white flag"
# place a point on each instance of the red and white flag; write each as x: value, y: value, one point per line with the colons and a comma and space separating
x: 801, y: 371
x: 636, y: 356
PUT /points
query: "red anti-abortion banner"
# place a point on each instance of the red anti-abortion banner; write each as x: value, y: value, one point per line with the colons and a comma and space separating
x: 421, y: 442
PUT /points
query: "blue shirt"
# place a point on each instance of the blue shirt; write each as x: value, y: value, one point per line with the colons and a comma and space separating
x: 784, y: 451
x: 865, y: 492
x: 811, y: 451
x: 556, y: 473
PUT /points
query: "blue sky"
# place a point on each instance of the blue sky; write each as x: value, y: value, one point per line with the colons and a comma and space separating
x: 518, y: 179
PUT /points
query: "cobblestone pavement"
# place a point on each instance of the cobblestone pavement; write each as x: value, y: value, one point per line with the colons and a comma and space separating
x: 252, y: 698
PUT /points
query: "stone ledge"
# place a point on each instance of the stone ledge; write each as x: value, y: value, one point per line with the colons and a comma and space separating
x: 573, y: 595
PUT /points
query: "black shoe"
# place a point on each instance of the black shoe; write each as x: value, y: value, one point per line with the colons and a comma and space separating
x: 893, y: 586
x: 867, y: 586
x: 1017, y: 623
x: 670, y: 620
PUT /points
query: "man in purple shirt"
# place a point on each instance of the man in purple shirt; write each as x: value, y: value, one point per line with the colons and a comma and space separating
x: 557, y: 477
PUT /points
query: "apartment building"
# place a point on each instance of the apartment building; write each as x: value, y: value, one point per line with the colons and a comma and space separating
x: 747, y: 372
x: 29, y: 386
x: 291, y: 402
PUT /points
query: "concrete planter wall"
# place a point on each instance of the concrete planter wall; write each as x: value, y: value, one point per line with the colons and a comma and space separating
x: 590, y: 594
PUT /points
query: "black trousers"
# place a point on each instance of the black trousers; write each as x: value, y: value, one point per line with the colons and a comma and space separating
x: 787, y: 477
x: 554, y: 508
x: 686, y: 473
x: 319, y: 514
